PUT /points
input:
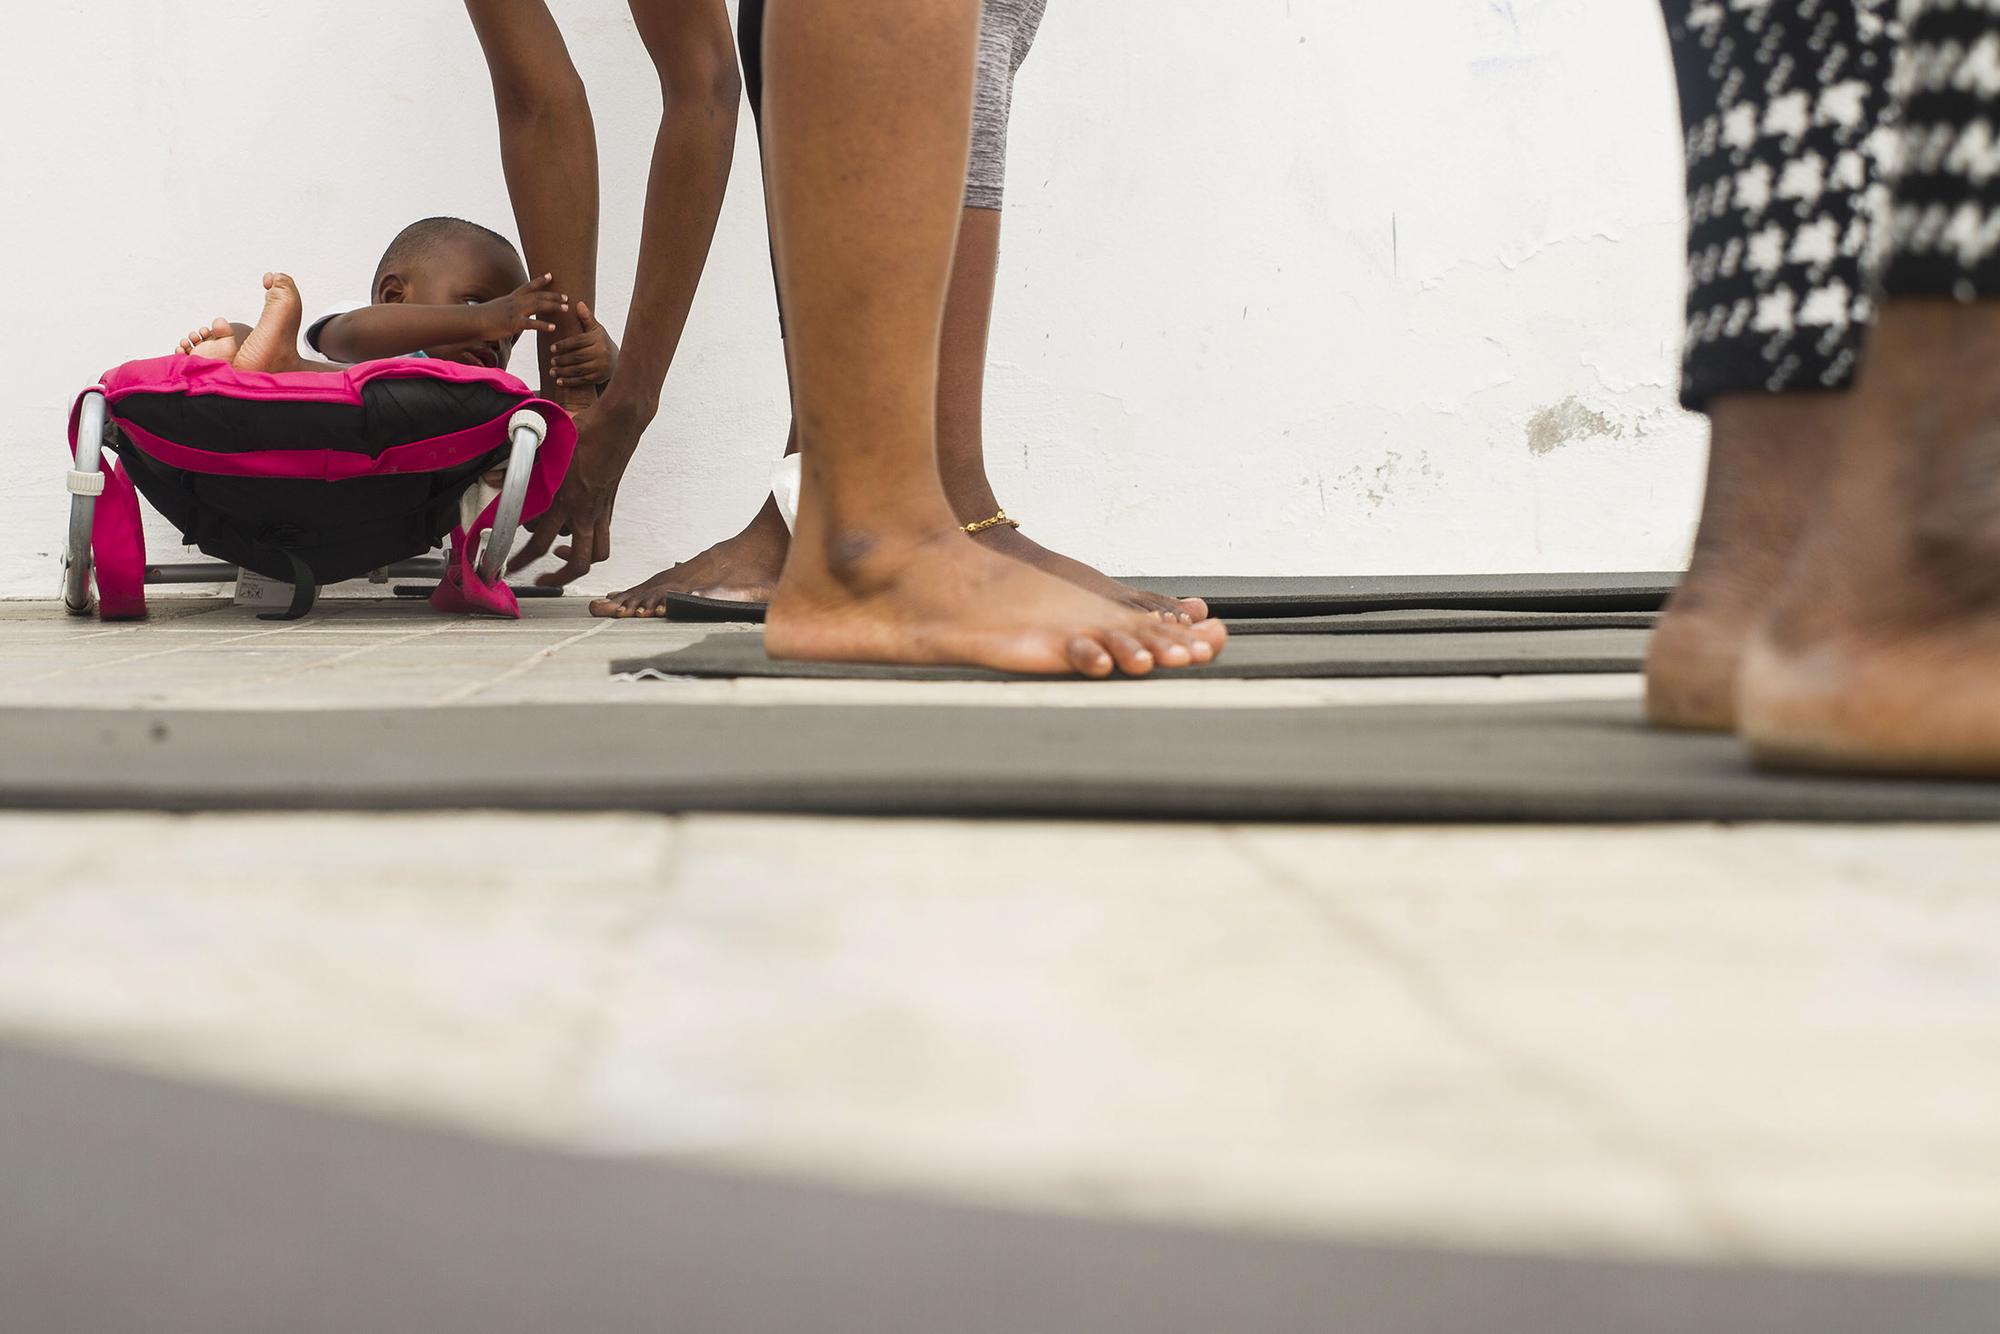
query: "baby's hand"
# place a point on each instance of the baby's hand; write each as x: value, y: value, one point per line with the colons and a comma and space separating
x: 526, y: 309
x: 587, y: 358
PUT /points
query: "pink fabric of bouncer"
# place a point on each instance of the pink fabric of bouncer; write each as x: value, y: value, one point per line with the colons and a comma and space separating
x: 118, y: 541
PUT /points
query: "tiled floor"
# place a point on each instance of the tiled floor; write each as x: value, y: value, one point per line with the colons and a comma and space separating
x: 1699, y: 1041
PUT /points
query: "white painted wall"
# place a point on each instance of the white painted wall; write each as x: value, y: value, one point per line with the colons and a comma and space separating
x: 1299, y: 286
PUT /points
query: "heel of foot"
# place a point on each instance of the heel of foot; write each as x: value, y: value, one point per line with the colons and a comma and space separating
x: 1909, y: 705
x: 1692, y: 665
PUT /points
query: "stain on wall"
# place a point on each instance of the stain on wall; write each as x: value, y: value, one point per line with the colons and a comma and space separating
x: 1565, y: 422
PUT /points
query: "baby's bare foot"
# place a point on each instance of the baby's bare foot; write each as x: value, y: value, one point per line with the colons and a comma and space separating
x: 274, y: 344
x: 217, y: 341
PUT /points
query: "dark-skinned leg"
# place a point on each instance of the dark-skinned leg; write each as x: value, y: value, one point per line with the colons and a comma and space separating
x: 694, y: 55
x: 968, y: 320
x: 1777, y: 306
x: 1767, y: 458
x: 1882, y: 648
x: 548, y: 152
x: 1882, y: 651
x: 868, y: 110
x: 745, y: 567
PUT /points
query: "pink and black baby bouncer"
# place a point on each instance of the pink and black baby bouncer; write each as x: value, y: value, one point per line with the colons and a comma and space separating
x: 306, y: 478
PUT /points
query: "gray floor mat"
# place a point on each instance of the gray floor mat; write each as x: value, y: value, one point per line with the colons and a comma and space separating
x: 140, y: 1205
x: 1421, y: 620
x: 1495, y: 652
x: 1250, y: 596
x: 1548, y: 763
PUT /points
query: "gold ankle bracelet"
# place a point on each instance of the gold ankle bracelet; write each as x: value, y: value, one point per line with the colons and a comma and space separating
x: 977, y: 528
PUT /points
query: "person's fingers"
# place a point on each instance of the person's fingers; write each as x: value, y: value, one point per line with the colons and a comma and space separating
x: 541, y: 536
x: 585, y: 318
x: 573, y: 569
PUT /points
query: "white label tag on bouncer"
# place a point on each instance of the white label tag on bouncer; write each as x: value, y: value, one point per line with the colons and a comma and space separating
x: 255, y: 590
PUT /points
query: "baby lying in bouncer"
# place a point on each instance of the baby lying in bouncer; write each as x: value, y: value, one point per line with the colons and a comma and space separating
x: 445, y: 288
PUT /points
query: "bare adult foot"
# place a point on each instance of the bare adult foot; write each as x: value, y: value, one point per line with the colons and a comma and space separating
x: 743, y: 568
x: 961, y: 425
x: 1013, y: 543
x: 273, y: 344
x: 1882, y: 648
x: 1768, y: 455
x: 217, y: 342
x: 940, y: 598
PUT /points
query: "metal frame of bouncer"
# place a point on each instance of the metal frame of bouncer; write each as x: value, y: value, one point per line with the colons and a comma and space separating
x: 526, y: 429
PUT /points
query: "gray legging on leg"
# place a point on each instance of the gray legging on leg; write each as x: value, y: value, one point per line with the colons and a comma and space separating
x: 1006, y: 34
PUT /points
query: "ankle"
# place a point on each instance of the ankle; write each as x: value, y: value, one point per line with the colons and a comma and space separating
x: 766, y: 535
x: 857, y: 562
x: 834, y: 509
x: 1768, y: 457
x: 971, y: 498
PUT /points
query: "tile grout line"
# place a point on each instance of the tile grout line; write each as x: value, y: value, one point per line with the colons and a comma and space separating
x: 167, y: 652
x: 76, y: 668
x: 110, y: 631
x: 385, y: 641
x: 522, y: 668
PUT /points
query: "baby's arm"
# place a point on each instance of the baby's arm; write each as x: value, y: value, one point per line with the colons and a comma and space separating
x: 396, y: 330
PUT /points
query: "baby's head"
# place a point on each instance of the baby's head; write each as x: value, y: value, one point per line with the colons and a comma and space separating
x: 449, y: 262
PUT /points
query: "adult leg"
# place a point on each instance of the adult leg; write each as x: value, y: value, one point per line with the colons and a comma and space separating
x: 962, y: 420
x: 1006, y: 36
x: 746, y: 567
x: 692, y: 52
x: 867, y: 112
x: 1882, y: 650
x: 548, y: 152
x: 1777, y: 303
x: 743, y: 568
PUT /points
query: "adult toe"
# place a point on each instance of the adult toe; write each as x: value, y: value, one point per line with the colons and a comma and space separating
x: 1134, y: 658
x: 1089, y: 657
